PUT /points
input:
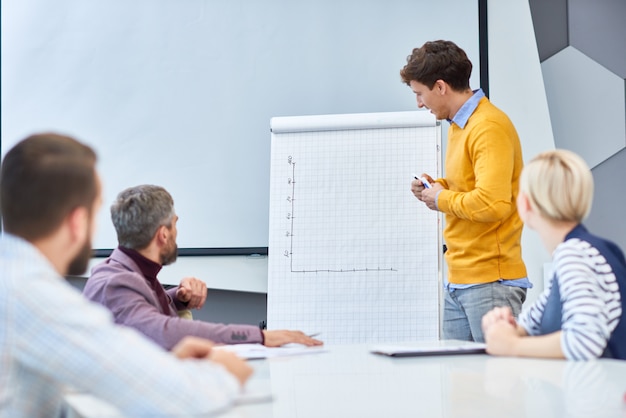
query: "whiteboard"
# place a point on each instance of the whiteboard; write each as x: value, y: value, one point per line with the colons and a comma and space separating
x: 180, y: 93
x: 352, y: 253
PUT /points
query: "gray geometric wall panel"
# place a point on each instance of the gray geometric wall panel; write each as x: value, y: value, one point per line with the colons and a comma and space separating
x: 596, y: 28
x: 609, y: 200
x: 584, y: 81
x: 550, y: 24
x: 587, y: 101
x: 587, y: 106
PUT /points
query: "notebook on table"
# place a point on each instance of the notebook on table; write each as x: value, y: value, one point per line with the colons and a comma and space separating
x: 429, y: 348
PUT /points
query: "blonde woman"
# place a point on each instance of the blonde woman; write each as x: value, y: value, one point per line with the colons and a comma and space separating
x: 579, y: 315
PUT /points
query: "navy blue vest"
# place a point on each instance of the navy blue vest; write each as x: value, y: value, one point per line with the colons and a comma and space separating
x: 551, y: 319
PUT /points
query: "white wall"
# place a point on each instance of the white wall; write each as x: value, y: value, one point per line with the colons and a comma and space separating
x: 516, y: 86
x: 180, y: 93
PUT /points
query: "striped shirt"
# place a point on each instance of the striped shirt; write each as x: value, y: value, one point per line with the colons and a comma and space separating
x: 590, y: 299
x: 51, y: 338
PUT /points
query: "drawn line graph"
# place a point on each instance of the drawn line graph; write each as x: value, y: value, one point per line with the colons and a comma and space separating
x: 292, y: 218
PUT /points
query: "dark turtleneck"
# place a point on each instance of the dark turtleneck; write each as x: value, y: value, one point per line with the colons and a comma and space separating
x: 150, y: 269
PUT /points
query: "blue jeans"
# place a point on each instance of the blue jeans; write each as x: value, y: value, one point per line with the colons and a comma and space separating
x: 464, y: 308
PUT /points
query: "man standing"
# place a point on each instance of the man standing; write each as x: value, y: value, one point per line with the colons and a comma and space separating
x: 50, y: 336
x: 482, y: 167
x: 127, y: 284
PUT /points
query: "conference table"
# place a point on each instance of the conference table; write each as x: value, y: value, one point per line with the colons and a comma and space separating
x: 350, y: 381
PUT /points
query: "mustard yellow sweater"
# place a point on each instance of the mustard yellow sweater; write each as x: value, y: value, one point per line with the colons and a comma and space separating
x: 483, y: 230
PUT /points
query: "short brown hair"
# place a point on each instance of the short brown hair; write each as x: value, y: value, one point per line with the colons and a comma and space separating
x: 438, y: 60
x: 43, y: 178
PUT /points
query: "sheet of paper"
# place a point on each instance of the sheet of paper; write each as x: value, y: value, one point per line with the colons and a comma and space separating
x: 258, y: 351
x: 352, y: 252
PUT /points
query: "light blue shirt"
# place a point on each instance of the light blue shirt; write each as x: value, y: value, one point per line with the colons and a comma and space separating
x: 52, y: 338
x: 524, y: 283
x: 464, y: 113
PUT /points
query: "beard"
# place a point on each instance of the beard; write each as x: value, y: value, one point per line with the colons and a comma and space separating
x: 169, y: 254
x: 78, y: 265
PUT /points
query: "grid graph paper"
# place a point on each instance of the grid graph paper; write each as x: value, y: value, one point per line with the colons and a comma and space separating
x: 352, y: 253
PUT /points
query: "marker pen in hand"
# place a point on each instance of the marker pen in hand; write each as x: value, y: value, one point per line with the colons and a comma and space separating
x: 423, y: 180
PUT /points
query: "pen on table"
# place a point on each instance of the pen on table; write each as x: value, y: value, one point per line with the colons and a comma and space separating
x: 423, y: 180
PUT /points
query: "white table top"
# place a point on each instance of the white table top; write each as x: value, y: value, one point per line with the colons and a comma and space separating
x: 349, y: 381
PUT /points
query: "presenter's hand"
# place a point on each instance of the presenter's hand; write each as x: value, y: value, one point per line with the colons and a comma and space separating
x: 428, y: 196
x: 192, y: 291
x: 276, y: 338
x: 417, y: 186
x: 235, y: 365
x: 192, y: 347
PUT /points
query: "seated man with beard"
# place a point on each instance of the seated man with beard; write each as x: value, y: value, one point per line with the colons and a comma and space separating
x: 127, y: 284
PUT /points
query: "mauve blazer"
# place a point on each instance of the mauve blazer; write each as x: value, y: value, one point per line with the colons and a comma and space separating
x: 118, y: 284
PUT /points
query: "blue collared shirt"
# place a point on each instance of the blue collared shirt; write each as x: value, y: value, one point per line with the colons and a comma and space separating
x: 464, y: 113
x: 523, y: 283
x: 51, y: 336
